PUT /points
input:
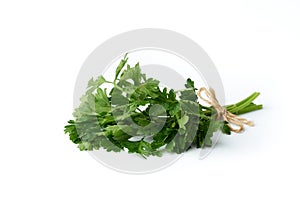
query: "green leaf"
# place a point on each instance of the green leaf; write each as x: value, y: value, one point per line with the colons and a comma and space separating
x: 94, y: 84
x: 190, y: 84
x: 131, y: 73
x: 189, y: 93
x: 182, y: 121
x: 120, y: 66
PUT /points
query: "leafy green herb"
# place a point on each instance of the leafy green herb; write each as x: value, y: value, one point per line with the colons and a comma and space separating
x: 139, y: 116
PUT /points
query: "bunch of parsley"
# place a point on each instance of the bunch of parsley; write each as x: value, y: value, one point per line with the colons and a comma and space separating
x: 122, y: 119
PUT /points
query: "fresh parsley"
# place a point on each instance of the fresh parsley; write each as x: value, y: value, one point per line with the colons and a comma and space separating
x: 139, y: 116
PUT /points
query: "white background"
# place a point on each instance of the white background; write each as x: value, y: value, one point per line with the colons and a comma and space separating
x: 254, y: 44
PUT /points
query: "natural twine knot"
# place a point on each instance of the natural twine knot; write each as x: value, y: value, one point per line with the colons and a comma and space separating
x: 222, y: 112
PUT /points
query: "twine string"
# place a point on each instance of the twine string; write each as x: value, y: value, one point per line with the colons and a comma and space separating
x: 222, y: 113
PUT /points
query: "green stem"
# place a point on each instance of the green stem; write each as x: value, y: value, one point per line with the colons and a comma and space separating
x: 186, y: 89
x: 115, y: 85
x: 249, y: 108
x: 244, y: 106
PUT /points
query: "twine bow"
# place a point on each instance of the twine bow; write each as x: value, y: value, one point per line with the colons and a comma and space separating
x: 222, y: 112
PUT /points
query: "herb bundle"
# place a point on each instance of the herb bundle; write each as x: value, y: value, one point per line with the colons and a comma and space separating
x: 139, y: 116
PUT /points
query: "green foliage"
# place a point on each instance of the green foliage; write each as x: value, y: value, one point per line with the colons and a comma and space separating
x: 115, y: 121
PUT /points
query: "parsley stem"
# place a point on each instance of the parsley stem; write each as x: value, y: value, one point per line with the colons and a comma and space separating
x: 115, y: 85
x: 249, y: 108
x: 187, y: 89
x: 244, y: 106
